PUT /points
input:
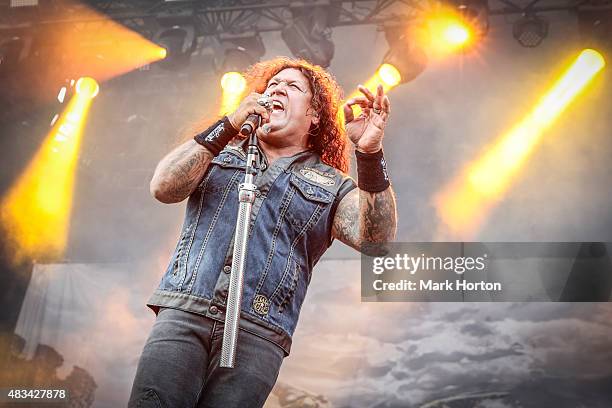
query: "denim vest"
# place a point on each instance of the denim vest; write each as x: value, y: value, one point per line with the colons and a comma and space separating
x: 291, y: 224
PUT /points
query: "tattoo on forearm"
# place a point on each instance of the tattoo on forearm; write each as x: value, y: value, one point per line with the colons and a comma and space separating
x: 364, y: 218
x: 345, y: 226
x: 179, y: 173
x: 377, y: 216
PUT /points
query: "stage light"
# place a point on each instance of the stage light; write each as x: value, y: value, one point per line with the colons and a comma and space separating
x: 475, y: 15
x: 78, y: 48
x: 88, y: 87
x: 445, y: 32
x: 443, y: 29
x: 90, y: 43
x: 530, y: 30
x: 35, y: 212
x: 308, y: 34
x: 386, y: 75
x: 177, y: 44
x: 233, y: 55
x: 233, y: 85
x: 406, y: 56
x: 237, y: 54
x: 464, y: 204
x: 402, y: 63
x: 389, y: 75
x: 456, y: 34
x: 233, y: 82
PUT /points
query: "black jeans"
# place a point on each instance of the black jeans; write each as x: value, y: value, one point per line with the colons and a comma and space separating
x: 179, y: 366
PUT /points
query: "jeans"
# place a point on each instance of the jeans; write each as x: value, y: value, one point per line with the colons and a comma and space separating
x: 179, y: 366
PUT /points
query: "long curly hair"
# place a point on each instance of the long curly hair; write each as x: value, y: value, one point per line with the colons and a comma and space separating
x: 327, y: 138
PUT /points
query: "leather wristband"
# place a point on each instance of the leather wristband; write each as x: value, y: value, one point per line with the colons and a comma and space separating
x: 216, y: 137
x: 372, y: 171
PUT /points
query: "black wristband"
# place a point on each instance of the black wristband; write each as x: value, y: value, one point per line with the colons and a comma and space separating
x: 216, y: 137
x: 372, y: 171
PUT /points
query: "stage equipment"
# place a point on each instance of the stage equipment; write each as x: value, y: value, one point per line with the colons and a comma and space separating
x: 233, y: 55
x: 530, y: 30
x: 475, y: 13
x: 179, y: 41
x: 308, y: 35
x: 408, y: 58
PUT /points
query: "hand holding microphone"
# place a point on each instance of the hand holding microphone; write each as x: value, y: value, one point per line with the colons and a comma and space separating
x: 252, y: 111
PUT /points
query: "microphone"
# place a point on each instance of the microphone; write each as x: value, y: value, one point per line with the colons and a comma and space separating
x: 251, y: 124
x: 254, y: 119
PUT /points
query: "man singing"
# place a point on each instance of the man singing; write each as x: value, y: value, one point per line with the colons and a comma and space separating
x: 304, y: 200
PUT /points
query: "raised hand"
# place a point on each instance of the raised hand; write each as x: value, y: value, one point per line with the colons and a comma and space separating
x: 366, y: 131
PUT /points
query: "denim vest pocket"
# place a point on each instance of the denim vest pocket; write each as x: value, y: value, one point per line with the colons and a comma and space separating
x: 307, y: 204
x: 225, y: 160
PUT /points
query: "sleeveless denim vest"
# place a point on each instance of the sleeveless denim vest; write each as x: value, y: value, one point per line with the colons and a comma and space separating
x: 291, y: 229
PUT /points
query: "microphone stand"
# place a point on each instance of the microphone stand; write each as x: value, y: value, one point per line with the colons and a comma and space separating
x: 246, y: 197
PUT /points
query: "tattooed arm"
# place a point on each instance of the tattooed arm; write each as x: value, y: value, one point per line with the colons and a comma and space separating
x: 178, y: 174
x: 366, y: 221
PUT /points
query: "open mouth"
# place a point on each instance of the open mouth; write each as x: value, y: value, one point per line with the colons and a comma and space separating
x: 277, y: 106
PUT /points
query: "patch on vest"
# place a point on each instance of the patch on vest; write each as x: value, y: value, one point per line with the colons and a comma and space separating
x: 236, y: 148
x: 261, y: 304
x: 320, y: 177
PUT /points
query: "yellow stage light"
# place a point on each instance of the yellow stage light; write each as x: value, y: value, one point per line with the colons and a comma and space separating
x: 456, y: 34
x: 386, y: 75
x: 463, y: 205
x: 233, y: 85
x: 35, y: 213
x: 99, y: 47
x: 444, y: 30
x: 448, y: 33
x: 87, y: 87
x: 389, y: 75
x: 233, y: 82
